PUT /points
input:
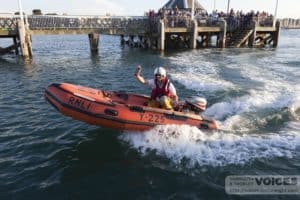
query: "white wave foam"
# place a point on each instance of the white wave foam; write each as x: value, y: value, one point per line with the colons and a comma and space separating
x: 271, y: 90
x: 198, y: 75
x: 256, y: 100
x: 294, y: 126
x: 253, y: 102
x: 185, y: 143
x: 202, y: 82
x: 295, y: 105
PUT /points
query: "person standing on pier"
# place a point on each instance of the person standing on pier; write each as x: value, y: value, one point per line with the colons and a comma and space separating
x: 163, y: 94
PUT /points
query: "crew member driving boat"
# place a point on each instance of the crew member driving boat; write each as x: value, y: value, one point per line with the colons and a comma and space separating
x: 163, y: 93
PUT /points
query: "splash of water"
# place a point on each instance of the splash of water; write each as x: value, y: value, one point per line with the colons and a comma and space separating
x: 202, y: 83
x: 181, y: 143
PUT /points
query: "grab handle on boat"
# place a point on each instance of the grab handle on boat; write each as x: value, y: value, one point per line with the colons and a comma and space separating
x: 111, y: 112
x: 136, y: 109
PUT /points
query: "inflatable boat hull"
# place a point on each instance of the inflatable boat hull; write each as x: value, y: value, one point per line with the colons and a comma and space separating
x: 119, y: 110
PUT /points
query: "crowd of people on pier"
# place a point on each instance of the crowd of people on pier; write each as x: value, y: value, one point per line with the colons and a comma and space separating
x: 239, y: 18
x: 176, y: 17
x: 181, y: 17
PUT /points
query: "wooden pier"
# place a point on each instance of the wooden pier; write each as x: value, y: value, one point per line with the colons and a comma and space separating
x: 221, y: 34
x: 18, y: 30
x: 159, y: 33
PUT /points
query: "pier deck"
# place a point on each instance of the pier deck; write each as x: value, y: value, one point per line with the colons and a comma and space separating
x: 152, y: 32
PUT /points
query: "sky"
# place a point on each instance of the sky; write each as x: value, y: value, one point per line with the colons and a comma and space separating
x: 286, y: 8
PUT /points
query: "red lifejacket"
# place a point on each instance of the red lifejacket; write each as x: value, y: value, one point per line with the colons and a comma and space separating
x: 163, y: 91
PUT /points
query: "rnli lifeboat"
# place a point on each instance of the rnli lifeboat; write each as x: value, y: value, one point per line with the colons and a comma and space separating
x: 120, y: 110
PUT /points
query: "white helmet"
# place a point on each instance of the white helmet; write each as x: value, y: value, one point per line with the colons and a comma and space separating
x: 161, y: 71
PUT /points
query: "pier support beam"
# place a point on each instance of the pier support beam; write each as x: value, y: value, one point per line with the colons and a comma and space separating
x: 194, y: 35
x: 276, y: 34
x: 94, y: 42
x: 8, y: 49
x: 252, y: 37
x: 204, y: 40
x: 161, y: 39
x: 25, y: 40
x: 208, y: 39
x: 148, y: 42
x: 131, y: 41
x: 222, y: 34
x: 16, y: 45
x: 141, y: 42
x: 122, y: 40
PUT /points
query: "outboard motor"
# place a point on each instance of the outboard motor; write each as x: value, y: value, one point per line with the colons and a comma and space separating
x: 196, y: 104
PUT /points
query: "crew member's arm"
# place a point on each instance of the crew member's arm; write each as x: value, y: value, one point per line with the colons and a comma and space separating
x: 138, y: 76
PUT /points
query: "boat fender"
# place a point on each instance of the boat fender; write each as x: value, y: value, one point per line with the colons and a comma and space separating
x: 111, y: 112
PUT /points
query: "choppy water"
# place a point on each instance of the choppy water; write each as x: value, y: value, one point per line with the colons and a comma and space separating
x: 254, y: 93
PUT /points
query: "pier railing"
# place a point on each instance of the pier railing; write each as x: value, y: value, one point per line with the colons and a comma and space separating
x: 125, y: 24
x: 232, y: 23
x: 81, y: 22
x: 177, y: 21
x: 117, y: 25
x: 8, y: 23
x: 264, y: 21
x: 96, y: 23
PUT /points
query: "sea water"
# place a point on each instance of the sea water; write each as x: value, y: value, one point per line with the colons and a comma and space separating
x: 253, y: 93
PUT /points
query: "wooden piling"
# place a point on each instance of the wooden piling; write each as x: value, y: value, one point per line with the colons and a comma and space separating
x: 204, y: 40
x: 94, y: 42
x: 29, y: 42
x: 141, y: 42
x: 16, y: 45
x: 251, y: 41
x: 7, y: 50
x: 161, y: 39
x: 194, y: 35
x: 209, y: 36
x: 122, y: 40
x: 275, y: 35
x: 25, y: 39
x: 130, y: 40
x: 222, y: 35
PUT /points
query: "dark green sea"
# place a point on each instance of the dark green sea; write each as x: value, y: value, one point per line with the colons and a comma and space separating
x: 253, y: 93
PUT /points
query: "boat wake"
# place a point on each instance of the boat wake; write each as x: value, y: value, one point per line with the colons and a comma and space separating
x: 185, y: 144
x: 259, y: 126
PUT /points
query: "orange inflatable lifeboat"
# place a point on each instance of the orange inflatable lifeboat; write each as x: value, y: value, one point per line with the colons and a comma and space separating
x: 118, y: 110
